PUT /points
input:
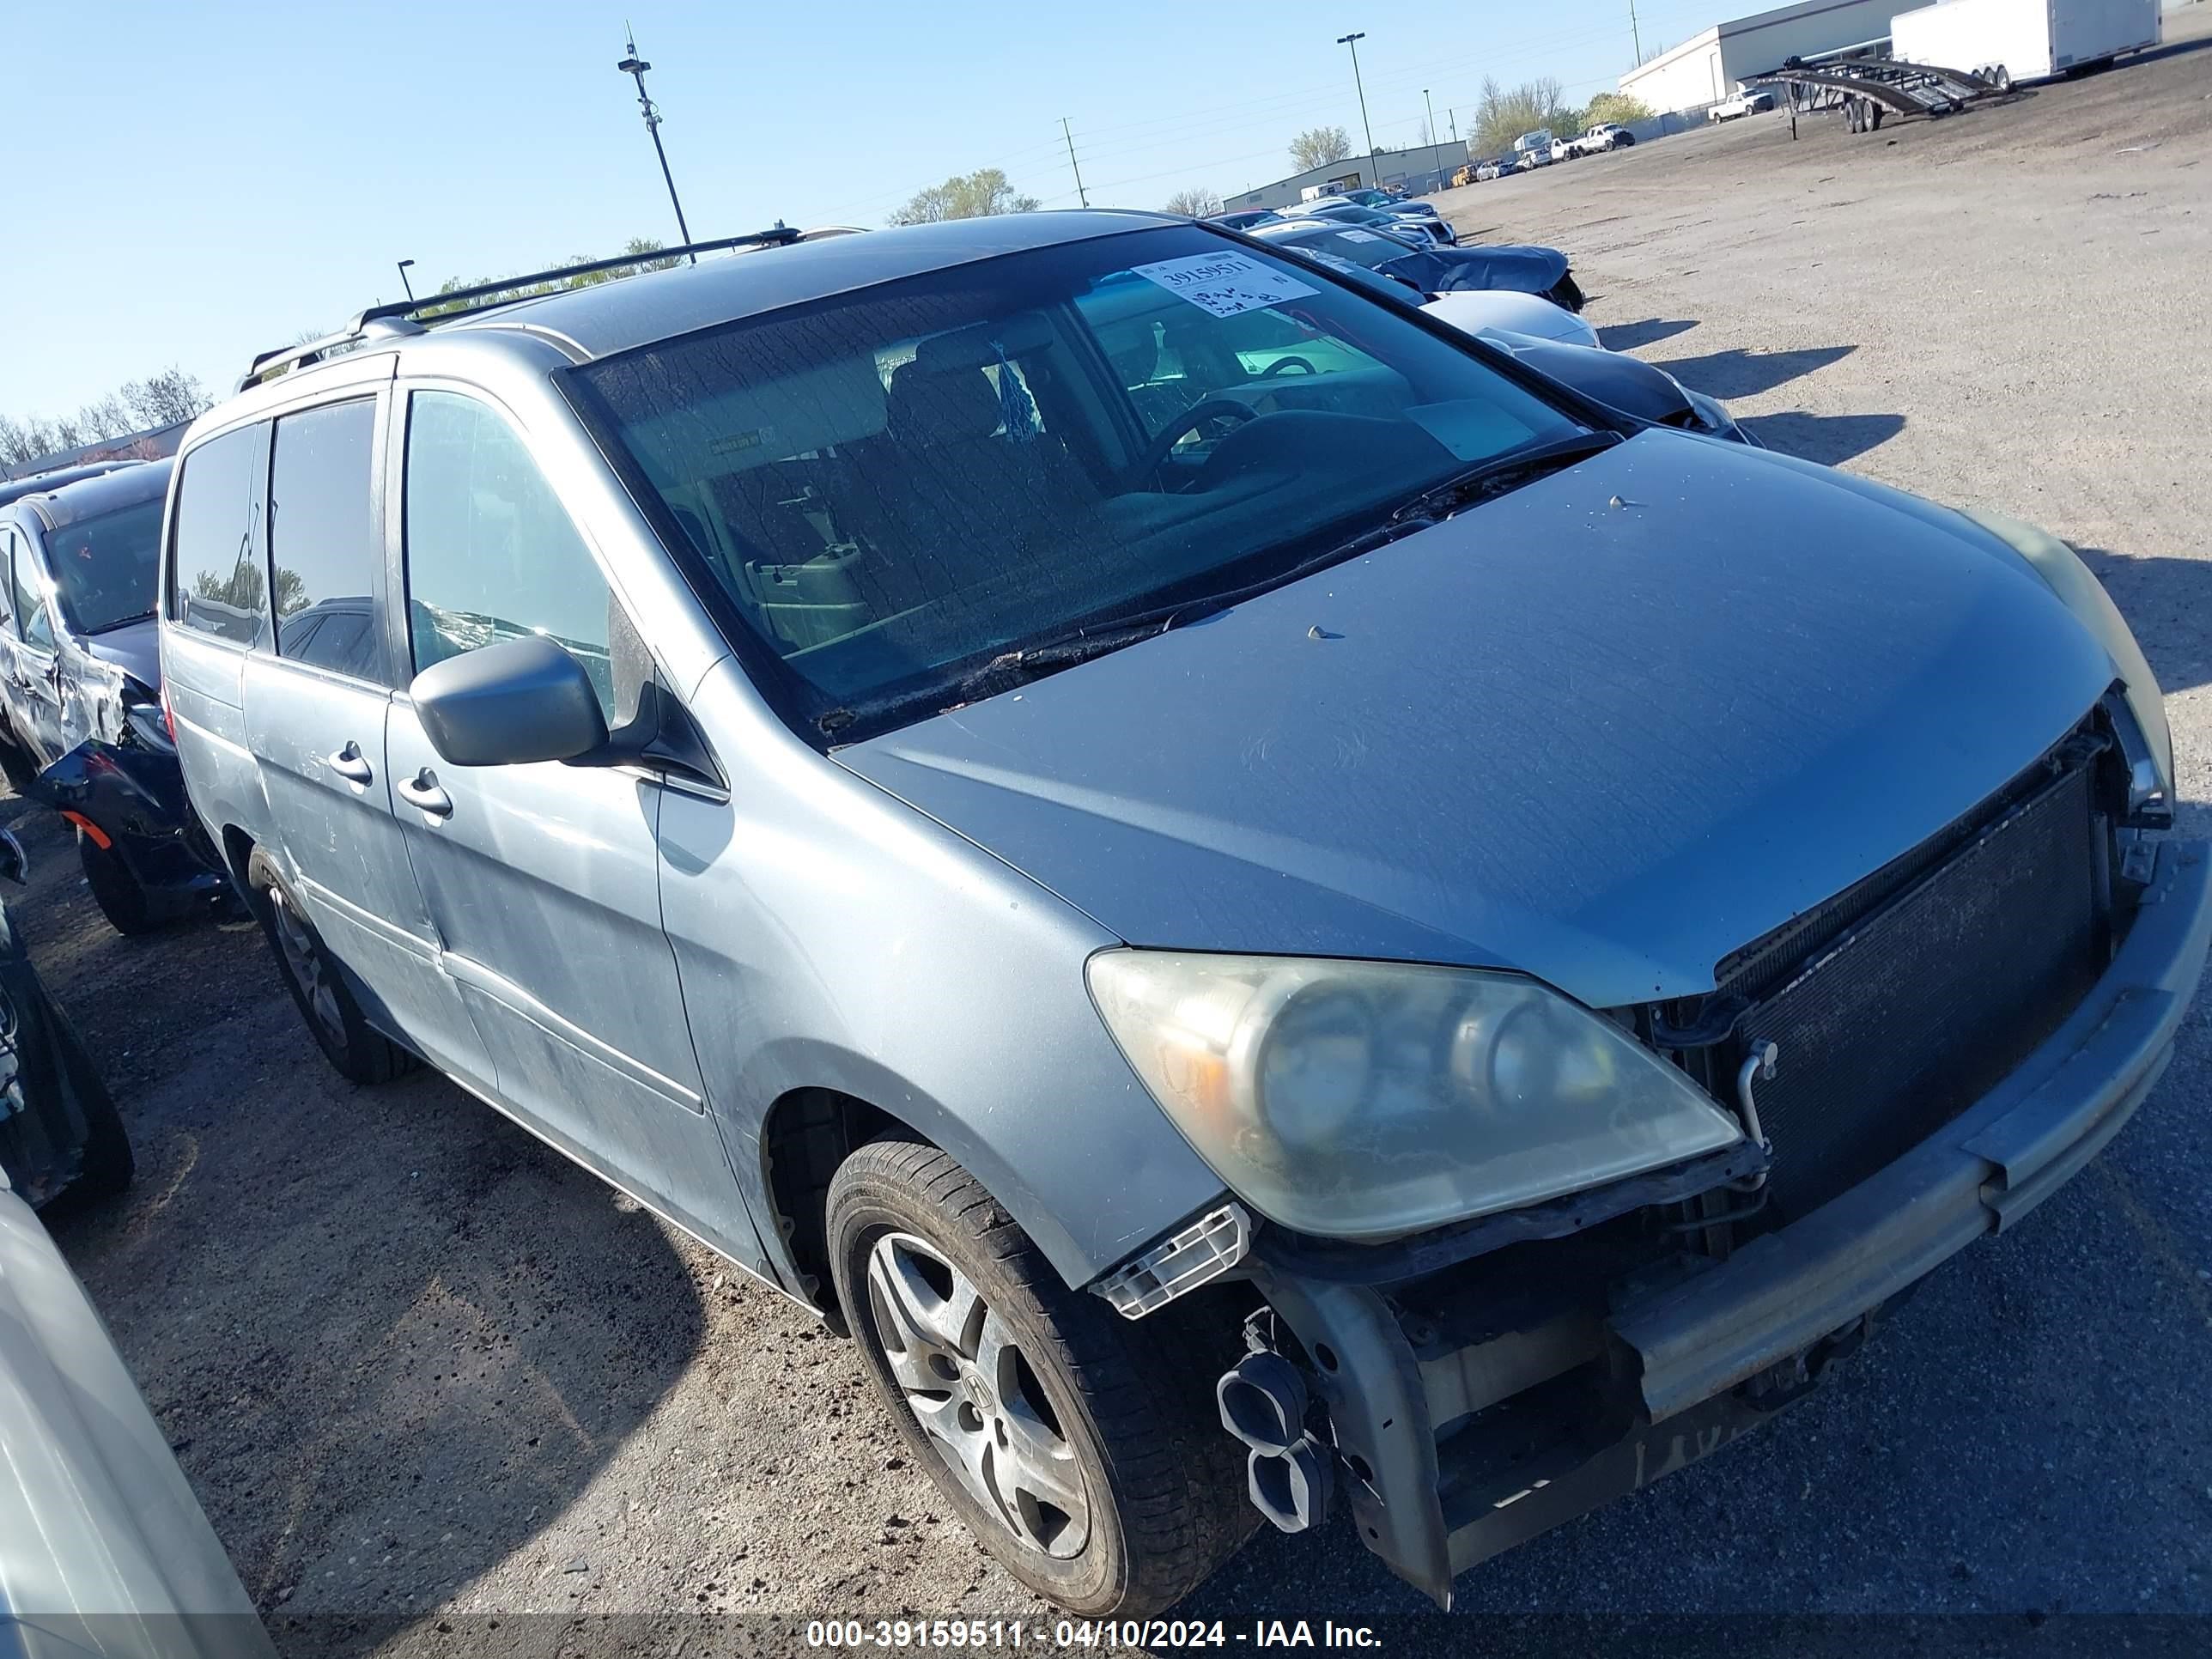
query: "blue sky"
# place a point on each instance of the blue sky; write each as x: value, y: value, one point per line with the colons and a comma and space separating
x: 206, y: 180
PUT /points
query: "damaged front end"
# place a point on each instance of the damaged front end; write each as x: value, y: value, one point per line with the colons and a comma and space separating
x: 1914, y: 1064
x: 127, y: 798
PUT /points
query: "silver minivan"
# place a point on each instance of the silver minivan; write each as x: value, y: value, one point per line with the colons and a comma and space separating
x: 1263, y: 899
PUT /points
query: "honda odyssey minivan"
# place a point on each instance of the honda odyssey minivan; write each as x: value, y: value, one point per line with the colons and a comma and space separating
x: 1259, y: 897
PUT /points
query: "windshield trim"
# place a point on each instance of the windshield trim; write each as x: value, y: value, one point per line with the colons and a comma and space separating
x: 800, y: 705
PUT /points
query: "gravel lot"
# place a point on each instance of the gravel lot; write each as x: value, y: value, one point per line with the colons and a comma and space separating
x: 419, y: 1369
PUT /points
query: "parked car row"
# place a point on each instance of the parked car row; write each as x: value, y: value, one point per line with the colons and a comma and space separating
x: 1141, y: 814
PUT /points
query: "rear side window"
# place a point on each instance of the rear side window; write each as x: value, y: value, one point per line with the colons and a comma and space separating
x: 491, y: 555
x: 323, y: 546
x: 218, y: 583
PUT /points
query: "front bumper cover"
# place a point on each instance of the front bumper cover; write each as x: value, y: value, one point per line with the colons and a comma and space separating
x: 1695, y: 1363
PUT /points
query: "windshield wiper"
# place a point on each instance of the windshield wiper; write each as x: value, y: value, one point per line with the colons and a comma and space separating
x: 1502, y: 472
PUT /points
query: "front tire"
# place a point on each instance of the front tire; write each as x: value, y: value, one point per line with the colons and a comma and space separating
x: 359, y: 1052
x: 119, y: 894
x: 1079, y: 1448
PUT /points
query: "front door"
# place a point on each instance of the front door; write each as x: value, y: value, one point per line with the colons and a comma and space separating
x: 543, y: 881
x: 315, y: 717
x: 34, y: 667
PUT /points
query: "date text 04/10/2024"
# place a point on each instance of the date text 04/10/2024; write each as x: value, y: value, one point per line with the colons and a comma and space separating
x: 881, y: 1634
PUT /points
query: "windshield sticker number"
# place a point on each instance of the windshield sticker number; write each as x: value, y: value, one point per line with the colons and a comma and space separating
x: 1359, y: 235
x: 1225, y: 284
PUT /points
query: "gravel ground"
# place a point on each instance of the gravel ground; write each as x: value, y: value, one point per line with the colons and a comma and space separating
x: 425, y: 1376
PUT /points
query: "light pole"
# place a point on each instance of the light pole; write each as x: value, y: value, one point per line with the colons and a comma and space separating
x: 1432, y: 103
x: 404, y: 282
x: 1353, y: 40
x: 635, y: 67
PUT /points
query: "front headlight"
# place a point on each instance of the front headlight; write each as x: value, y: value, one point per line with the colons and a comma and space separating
x: 2080, y: 592
x: 1368, y: 1099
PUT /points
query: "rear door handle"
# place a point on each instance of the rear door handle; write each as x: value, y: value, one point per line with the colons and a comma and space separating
x: 421, y: 793
x: 349, y: 764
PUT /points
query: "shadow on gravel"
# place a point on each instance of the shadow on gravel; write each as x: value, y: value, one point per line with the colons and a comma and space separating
x: 390, y: 1336
x: 1738, y: 374
x: 1626, y: 336
x: 1830, y: 440
x: 2166, y: 603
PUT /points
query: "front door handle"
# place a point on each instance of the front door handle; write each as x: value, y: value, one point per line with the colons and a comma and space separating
x: 421, y: 793
x: 349, y: 764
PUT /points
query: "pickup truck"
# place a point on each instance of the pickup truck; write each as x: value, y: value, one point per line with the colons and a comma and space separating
x: 1744, y: 103
x: 1605, y: 136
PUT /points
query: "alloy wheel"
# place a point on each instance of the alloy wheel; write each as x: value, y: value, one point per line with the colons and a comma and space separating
x: 303, y: 958
x: 978, y: 1397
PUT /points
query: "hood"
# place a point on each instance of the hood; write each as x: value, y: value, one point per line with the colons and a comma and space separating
x: 1488, y: 311
x: 1603, y: 741
x: 1446, y: 270
x: 134, y: 647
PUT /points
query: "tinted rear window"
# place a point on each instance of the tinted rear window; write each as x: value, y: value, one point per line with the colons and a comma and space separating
x: 218, y: 584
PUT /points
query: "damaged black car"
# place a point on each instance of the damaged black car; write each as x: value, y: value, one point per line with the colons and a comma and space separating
x: 82, y: 723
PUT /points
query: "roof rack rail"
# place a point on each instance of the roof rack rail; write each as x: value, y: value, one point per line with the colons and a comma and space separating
x: 402, y: 317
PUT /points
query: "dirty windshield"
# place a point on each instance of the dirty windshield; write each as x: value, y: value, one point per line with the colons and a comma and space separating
x: 895, y: 486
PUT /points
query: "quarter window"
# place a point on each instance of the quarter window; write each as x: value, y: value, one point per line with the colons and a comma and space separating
x: 219, y: 584
x: 323, y: 546
x: 491, y: 556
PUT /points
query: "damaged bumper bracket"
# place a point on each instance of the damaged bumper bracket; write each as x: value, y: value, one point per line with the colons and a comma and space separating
x: 1434, y: 1489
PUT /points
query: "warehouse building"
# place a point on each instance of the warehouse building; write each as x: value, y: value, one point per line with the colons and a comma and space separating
x: 1418, y: 170
x: 1706, y: 69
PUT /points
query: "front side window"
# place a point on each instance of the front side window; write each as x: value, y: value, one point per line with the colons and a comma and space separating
x: 105, y: 567
x: 219, y: 584
x: 27, y: 595
x: 323, y: 543
x: 491, y: 555
x: 894, y: 487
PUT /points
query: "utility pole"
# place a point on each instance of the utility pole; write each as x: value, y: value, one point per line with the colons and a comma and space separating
x: 1080, y: 194
x: 1353, y: 40
x: 635, y: 67
x: 1431, y: 104
x: 1633, y: 35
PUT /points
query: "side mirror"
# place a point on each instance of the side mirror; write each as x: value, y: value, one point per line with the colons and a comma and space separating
x: 510, y: 704
x: 15, y: 862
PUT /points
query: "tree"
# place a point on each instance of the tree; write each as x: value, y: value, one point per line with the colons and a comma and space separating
x: 1198, y: 202
x: 1317, y: 146
x: 553, y: 284
x: 1503, y: 115
x: 977, y: 195
x: 159, y: 400
x: 1619, y: 107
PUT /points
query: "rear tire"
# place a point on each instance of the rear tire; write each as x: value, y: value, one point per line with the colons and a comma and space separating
x: 119, y: 895
x: 1080, y: 1449
x: 357, y: 1050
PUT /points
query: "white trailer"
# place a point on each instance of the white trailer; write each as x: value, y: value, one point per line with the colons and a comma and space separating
x: 2030, y: 40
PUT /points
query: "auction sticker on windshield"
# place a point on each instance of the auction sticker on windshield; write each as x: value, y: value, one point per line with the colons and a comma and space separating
x: 1223, y: 283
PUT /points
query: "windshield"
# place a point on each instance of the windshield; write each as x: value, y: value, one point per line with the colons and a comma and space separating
x: 104, y: 567
x: 893, y: 486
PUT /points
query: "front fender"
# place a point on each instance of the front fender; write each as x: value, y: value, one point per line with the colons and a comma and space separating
x: 829, y: 936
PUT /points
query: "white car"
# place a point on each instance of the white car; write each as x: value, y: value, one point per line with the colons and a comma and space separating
x: 1486, y: 311
x: 103, y: 1548
x: 1744, y: 103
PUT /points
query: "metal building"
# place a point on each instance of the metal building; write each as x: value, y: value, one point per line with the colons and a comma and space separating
x: 1706, y: 69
